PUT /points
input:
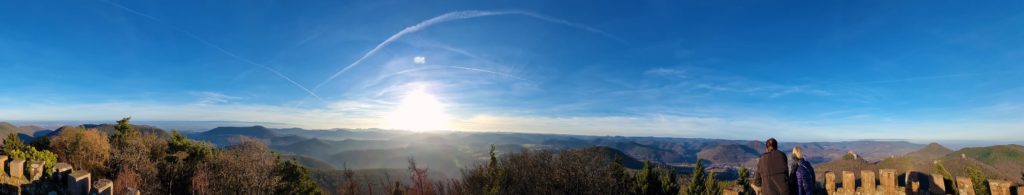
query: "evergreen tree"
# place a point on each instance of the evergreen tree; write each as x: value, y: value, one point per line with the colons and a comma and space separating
x: 295, y: 179
x: 619, y: 173
x: 15, y: 149
x: 180, y: 166
x: 13, y: 142
x: 495, y: 173
x: 744, y: 180
x: 655, y: 180
x: 669, y: 183
x: 697, y: 180
x: 646, y: 179
x: 124, y: 129
x: 979, y: 180
x: 711, y: 186
x: 945, y: 174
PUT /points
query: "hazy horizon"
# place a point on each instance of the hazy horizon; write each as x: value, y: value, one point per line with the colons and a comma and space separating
x: 202, y: 126
x: 819, y: 71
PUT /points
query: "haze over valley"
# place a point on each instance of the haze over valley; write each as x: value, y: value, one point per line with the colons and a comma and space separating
x: 511, y: 97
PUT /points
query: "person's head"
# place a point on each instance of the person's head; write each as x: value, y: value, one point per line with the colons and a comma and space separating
x: 771, y: 144
x: 796, y: 153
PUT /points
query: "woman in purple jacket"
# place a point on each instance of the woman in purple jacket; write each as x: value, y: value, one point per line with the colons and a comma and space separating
x: 803, y: 174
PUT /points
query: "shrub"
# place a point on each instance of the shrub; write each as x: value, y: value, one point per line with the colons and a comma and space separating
x: 294, y: 179
x: 15, y: 149
x: 979, y: 180
x: 31, y: 154
x: 579, y: 171
x: 87, y: 149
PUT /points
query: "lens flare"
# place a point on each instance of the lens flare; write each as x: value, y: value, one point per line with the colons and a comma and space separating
x: 419, y: 111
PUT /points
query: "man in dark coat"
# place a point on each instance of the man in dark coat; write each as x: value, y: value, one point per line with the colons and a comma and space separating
x: 773, y: 171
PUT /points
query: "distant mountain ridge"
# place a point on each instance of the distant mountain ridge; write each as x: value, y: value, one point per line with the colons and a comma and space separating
x: 8, y: 128
x: 449, y: 152
x: 931, y: 152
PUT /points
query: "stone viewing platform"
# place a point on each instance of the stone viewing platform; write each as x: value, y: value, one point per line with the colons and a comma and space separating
x: 892, y: 182
x: 30, y: 178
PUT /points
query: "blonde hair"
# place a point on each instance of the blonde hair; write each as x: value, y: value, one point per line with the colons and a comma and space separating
x: 796, y: 153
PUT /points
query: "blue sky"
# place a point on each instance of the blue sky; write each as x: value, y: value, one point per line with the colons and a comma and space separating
x: 739, y: 70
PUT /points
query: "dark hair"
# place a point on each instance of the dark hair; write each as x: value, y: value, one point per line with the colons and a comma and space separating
x: 772, y: 144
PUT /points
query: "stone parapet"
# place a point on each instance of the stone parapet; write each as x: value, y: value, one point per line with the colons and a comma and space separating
x: 830, y: 183
x: 103, y: 187
x: 132, y: 191
x: 3, y: 164
x: 849, y: 183
x: 63, y: 179
x: 16, y: 168
x: 867, y: 182
x: 887, y: 178
x: 35, y: 169
x: 964, y: 186
x: 999, y: 187
x: 937, y: 184
x: 79, y: 182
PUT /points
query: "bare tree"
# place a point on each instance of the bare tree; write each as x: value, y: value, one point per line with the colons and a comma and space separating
x: 87, y: 149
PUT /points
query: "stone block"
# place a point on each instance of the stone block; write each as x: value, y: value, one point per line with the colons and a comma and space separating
x: 79, y: 182
x: 849, y: 182
x: 103, y: 187
x: 937, y: 184
x: 3, y: 164
x: 867, y: 181
x: 61, y: 171
x: 887, y: 178
x: 35, y: 169
x: 730, y: 192
x: 964, y: 186
x: 132, y: 191
x: 999, y: 187
x: 1020, y: 190
x: 830, y: 183
x: 16, y: 168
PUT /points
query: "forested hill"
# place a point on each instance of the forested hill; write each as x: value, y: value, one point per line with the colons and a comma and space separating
x: 450, y: 152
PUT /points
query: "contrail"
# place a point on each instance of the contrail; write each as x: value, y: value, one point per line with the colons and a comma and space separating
x: 453, y: 16
x: 382, y: 77
x: 488, y: 71
x: 214, y: 46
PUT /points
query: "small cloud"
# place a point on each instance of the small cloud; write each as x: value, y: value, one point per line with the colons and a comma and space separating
x: 1004, y: 107
x: 419, y: 60
x: 206, y: 97
x: 665, y: 72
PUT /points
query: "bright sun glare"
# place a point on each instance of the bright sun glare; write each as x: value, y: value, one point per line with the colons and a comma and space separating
x: 419, y: 111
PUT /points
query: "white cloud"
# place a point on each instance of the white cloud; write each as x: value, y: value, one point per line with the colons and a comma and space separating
x: 206, y: 97
x: 419, y: 60
x: 298, y: 117
x: 647, y: 125
x: 372, y: 114
x: 667, y: 72
x: 718, y: 81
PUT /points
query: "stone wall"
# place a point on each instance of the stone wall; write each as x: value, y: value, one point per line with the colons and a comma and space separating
x: 888, y: 182
x: 63, y: 179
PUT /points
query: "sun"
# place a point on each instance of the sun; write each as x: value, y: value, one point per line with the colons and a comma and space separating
x: 419, y: 111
